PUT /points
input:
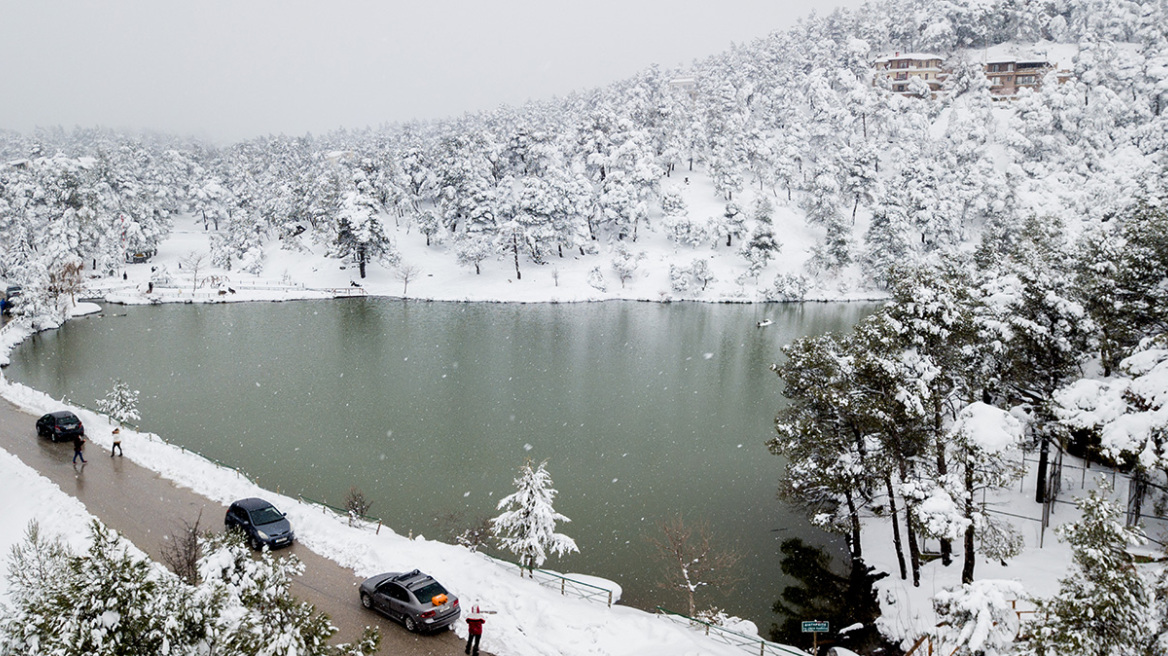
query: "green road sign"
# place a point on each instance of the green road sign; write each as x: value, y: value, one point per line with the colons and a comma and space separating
x: 814, y: 627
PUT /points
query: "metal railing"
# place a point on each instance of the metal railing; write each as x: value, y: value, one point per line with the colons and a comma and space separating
x: 343, y: 512
x: 566, y: 585
x: 341, y: 292
x: 752, y: 644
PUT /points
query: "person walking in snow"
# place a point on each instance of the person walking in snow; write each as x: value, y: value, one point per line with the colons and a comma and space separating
x: 117, y: 443
x: 78, y: 442
x: 474, y: 624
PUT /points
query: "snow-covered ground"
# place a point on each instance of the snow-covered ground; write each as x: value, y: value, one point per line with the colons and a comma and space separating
x: 307, y: 273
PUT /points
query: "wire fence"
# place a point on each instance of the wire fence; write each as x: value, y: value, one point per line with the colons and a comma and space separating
x: 751, y: 644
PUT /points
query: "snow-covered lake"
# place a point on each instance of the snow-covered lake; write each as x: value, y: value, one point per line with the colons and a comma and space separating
x: 642, y: 410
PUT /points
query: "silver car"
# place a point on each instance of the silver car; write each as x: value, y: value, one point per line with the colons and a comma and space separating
x: 412, y: 598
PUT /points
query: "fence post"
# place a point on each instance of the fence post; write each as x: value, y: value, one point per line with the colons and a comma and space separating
x: 378, y: 532
x: 610, y: 598
x: 563, y: 586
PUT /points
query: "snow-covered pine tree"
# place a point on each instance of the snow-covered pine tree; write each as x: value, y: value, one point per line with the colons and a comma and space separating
x: 260, y: 614
x: 104, y: 603
x: 360, y: 233
x: 819, y: 437
x: 120, y: 403
x: 528, y: 527
x: 985, y: 443
x: 1103, y: 608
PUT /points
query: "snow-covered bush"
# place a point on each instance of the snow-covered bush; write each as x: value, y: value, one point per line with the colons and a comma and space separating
x: 625, y: 262
x: 979, y: 618
x: 787, y: 287
x: 672, y: 203
x: 687, y: 232
x: 596, y: 280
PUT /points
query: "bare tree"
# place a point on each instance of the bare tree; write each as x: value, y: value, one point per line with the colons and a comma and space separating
x: 182, y: 551
x: 406, y: 273
x: 193, y: 262
x: 67, y: 278
x: 693, y: 561
x: 357, y: 503
x: 472, y: 534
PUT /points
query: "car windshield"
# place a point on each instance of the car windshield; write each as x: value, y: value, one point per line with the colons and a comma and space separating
x: 427, y: 592
x: 265, y: 515
x: 67, y: 420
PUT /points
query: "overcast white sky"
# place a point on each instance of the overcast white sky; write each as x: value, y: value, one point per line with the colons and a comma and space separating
x: 234, y: 69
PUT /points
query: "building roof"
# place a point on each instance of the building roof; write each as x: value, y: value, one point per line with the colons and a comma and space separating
x: 908, y: 55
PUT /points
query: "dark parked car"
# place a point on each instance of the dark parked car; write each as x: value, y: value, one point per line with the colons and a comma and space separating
x: 412, y: 598
x: 8, y: 299
x: 61, y: 425
x: 260, y: 522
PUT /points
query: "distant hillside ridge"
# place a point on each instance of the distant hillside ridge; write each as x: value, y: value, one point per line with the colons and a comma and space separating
x: 802, y: 165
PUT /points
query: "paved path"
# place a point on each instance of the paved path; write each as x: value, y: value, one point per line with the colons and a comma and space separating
x: 146, y: 508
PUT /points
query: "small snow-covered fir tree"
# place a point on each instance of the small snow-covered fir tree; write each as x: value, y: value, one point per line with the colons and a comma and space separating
x: 1104, y: 606
x: 120, y: 403
x: 528, y: 527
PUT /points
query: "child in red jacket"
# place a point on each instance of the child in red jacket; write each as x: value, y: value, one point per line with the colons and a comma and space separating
x: 474, y: 624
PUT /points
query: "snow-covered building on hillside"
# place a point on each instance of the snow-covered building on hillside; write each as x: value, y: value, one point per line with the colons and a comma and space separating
x: 901, y: 69
x: 1012, y: 67
x: 1009, y: 76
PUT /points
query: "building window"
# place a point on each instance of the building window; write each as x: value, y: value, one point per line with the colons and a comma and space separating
x: 1026, y: 79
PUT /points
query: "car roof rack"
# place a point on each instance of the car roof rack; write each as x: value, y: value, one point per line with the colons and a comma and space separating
x: 410, y: 576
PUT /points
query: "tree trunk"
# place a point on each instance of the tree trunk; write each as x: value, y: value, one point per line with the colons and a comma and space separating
x: 361, y: 259
x: 1043, y: 460
x: 942, y: 470
x: 969, y: 558
x: 857, y: 548
x: 895, y: 528
x: 914, y: 549
x: 515, y: 252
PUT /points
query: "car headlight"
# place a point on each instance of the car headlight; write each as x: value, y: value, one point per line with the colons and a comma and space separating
x: 261, y: 534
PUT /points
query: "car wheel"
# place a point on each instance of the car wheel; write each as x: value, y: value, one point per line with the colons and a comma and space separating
x: 411, y: 625
x: 366, y: 601
x: 255, y: 543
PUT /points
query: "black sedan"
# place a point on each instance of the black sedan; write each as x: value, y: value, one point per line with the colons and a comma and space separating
x: 259, y: 520
x: 61, y: 425
x: 412, y: 598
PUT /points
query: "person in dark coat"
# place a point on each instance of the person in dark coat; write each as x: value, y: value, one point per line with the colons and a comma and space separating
x: 474, y: 625
x: 78, y: 442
